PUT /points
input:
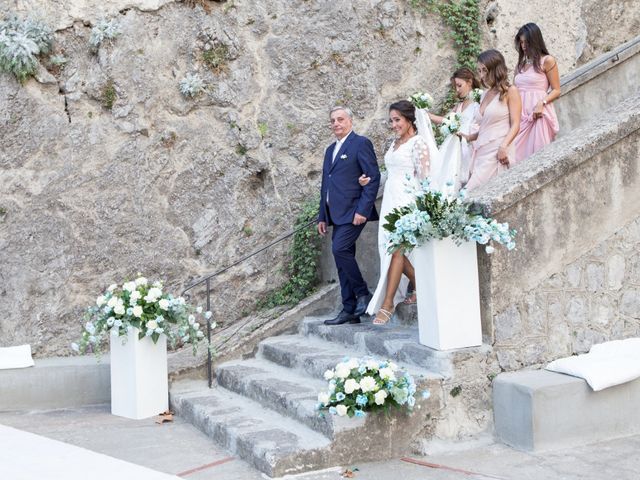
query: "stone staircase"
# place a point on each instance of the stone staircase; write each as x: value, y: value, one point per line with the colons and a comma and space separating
x: 263, y: 408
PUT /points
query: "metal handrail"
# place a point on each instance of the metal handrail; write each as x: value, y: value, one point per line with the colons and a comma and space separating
x: 207, y: 281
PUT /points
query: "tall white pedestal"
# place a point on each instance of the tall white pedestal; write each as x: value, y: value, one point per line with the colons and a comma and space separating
x: 448, y: 294
x: 139, y: 380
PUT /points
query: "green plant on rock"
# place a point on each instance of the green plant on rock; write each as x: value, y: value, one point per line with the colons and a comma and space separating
x: 109, y: 95
x: 463, y: 18
x: 21, y: 42
x: 192, y: 85
x: 263, y: 129
x: 103, y: 30
x: 302, y: 267
x: 216, y: 58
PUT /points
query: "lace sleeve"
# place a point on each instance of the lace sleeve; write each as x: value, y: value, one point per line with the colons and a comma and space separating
x: 420, y: 157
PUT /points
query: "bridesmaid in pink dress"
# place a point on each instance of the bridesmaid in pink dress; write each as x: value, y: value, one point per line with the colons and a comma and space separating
x: 538, y: 82
x: 498, y: 118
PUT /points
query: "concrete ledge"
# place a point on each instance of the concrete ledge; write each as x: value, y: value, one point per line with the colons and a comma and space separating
x: 541, y: 410
x: 56, y: 383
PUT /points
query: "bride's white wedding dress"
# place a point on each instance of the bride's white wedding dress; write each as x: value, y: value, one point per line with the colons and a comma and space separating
x: 409, y: 159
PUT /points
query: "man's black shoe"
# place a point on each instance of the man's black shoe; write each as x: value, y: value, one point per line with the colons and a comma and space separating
x: 342, y: 318
x: 361, y: 305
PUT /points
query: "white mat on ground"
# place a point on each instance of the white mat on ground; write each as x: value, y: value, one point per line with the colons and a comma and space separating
x: 26, y: 456
x: 607, y: 364
x: 16, y: 357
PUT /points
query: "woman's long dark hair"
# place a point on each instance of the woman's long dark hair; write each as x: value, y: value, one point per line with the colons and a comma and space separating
x: 497, y: 72
x: 536, y: 49
x: 406, y: 109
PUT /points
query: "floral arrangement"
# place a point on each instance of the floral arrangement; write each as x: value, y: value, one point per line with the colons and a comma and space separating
x: 450, y: 124
x: 476, y: 94
x: 143, y: 305
x: 357, y: 386
x: 421, y: 100
x: 434, y: 215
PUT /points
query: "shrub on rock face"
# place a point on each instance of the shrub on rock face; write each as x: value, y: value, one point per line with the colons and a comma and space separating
x: 103, y: 30
x: 21, y: 41
x: 191, y: 85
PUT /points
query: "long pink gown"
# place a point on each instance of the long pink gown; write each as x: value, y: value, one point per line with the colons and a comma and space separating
x: 494, y: 125
x: 534, y: 133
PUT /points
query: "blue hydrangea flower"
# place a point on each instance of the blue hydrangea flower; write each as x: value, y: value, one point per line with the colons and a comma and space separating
x: 362, y: 400
x: 340, y: 396
x: 360, y: 414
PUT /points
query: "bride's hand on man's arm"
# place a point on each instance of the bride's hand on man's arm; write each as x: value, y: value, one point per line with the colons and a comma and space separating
x: 364, y: 180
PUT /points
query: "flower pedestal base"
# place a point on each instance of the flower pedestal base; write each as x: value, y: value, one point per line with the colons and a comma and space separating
x: 448, y: 294
x: 139, y: 381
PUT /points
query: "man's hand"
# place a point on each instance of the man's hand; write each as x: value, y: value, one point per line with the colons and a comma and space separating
x: 359, y: 219
x: 322, y: 228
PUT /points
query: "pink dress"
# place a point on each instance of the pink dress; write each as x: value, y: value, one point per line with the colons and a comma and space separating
x: 494, y: 125
x: 534, y: 133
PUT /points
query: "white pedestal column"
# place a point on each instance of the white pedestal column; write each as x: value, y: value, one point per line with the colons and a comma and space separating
x: 448, y: 294
x: 139, y: 381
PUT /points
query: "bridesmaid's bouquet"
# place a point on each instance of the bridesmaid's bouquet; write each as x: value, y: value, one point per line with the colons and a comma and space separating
x: 421, y: 100
x: 450, y: 124
x: 434, y: 215
x: 476, y: 94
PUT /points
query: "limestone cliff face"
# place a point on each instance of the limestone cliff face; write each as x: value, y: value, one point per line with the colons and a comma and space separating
x: 176, y: 187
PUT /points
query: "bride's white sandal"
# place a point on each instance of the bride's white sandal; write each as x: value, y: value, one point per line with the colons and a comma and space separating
x: 383, y: 316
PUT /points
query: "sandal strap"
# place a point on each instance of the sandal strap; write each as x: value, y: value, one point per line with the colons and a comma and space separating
x: 386, y: 313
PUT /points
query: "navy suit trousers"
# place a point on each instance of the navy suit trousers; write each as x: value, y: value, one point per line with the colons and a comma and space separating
x: 343, y: 246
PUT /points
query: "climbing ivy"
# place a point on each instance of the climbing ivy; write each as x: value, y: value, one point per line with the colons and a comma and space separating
x: 463, y: 18
x: 302, y: 267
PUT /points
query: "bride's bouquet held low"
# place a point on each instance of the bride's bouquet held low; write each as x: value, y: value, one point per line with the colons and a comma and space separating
x: 450, y: 124
x: 143, y: 305
x: 361, y: 385
x: 434, y: 215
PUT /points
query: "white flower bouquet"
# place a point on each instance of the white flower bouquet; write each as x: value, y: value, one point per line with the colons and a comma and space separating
x: 434, y: 215
x: 450, y: 124
x: 143, y: 305
x: 357, y: 386
x: 476, y: 94
x: 421, y: 100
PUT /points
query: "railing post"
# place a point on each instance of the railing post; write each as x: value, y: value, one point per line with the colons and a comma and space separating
x: 209, y: 377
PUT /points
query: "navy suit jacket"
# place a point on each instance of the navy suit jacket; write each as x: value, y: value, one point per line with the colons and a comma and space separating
x: 340, y: 182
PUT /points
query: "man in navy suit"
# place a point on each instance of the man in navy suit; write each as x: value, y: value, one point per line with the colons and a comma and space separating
x: 347, y: 206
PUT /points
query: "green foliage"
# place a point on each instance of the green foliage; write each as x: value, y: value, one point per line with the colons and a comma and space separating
x: 21, y: 41
x: 109, y: 95
x: 302, y: 268
x: 455, y: 391
x: 216, y: 58
x: 263, y: 129
x: 241, y: 149
x: 463, y: 18
x: 103, y: 30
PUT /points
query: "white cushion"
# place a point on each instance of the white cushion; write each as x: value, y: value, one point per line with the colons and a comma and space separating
x: 607, y: 364
x: 16, y: 357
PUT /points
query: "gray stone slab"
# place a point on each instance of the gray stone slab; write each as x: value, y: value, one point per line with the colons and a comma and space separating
x: 540, y: 410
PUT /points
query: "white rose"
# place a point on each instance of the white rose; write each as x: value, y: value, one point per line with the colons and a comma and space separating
x: 152, y: 325
x: 387, y: 374
x: 393, y: 366
x: 135, y: 295
x: 164, y: 304
x: 368, y: 384
x: 112, y: 287
x: 75, y: 347
x: 350, y: 386
x: 342, y: 370
x: 100, y: 300
x: 191, y: 319
x: 328, y: 375
x: 353, y: 363
x: 380, y: 396
x: 137, y: 311
x: 154, y: 293
x: 341, y: 410
x: 199, y: 309
x: 119, y: 309
x: 141, y: 281
x: 323, y: 398
x: 129, y: 286
x: 372, y: 365
x: 113, y: 301
x: 199, y: 334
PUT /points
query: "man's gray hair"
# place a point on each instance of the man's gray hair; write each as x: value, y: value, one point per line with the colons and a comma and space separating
x: 347, y: 110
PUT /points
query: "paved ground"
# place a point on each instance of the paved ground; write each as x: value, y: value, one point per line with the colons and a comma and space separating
x: 178, y: 448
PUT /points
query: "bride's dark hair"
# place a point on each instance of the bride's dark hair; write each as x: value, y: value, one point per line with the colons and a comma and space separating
x: 406, y: 109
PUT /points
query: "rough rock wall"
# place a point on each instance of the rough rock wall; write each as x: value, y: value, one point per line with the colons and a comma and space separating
x: 176, y: 188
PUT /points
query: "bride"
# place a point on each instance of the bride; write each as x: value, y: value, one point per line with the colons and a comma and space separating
x: 408, y: 156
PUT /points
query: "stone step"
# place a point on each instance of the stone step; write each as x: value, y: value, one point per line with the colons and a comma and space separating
x: 398, y: 343
x: 313, y: 356
x: 281, y: 389
x: 272, y: 443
